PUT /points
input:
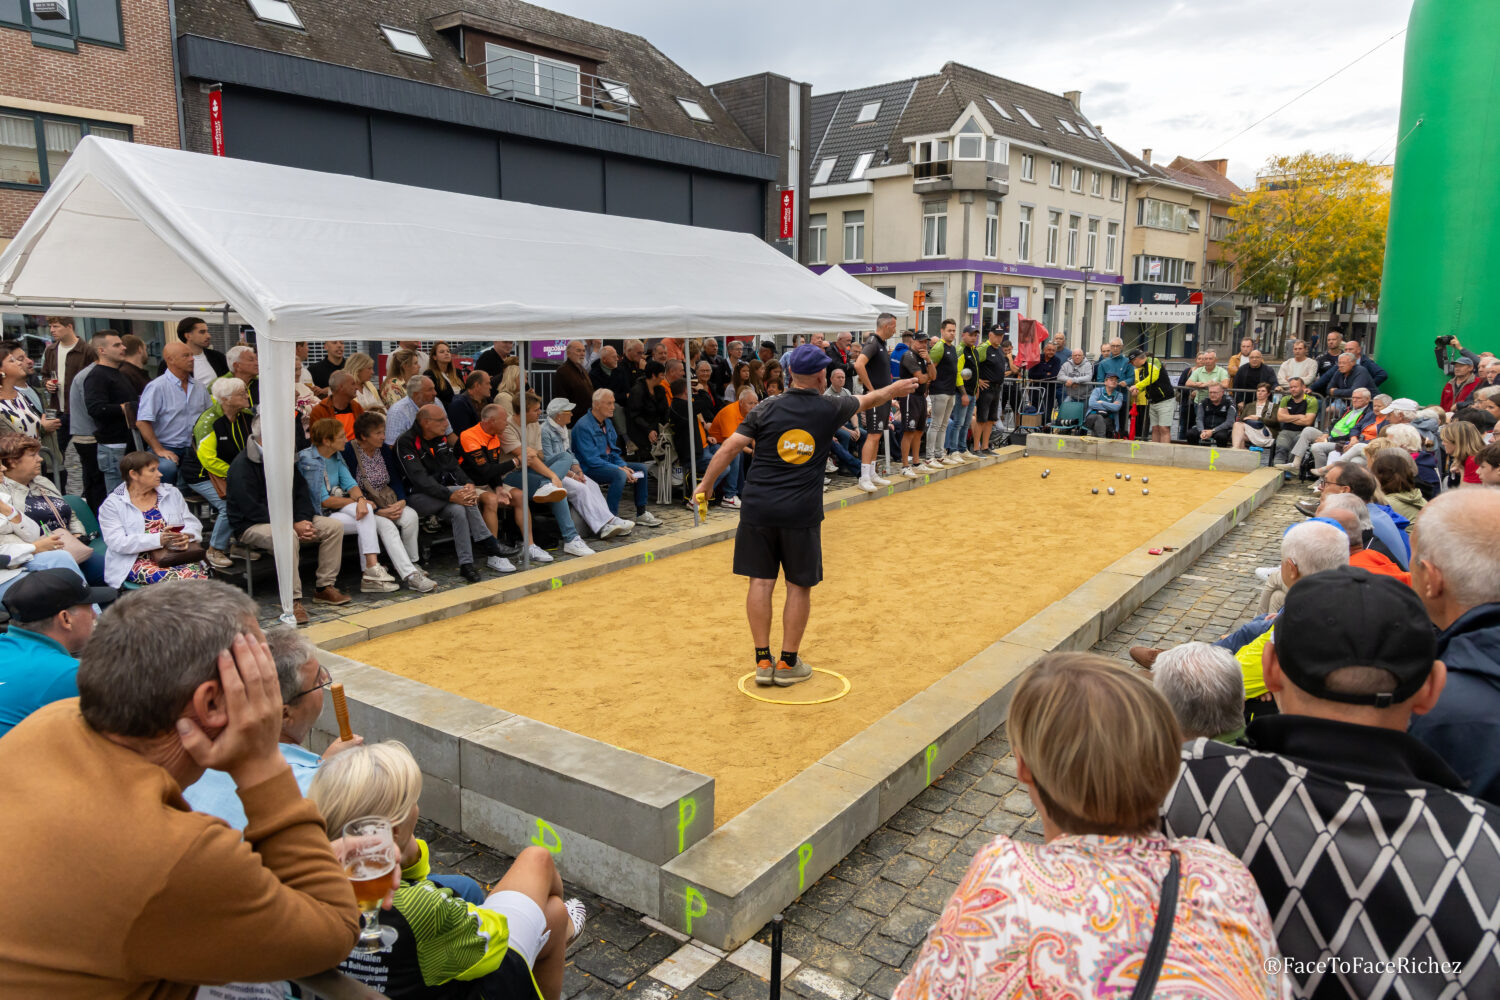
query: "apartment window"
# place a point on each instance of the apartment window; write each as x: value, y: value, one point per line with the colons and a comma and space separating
x: 1091, y: 248
x: 96, y: 21
x: 1096, y: 184
x: 1055, y: 178
x: 854, y: 236
x: 694, y: 110
x: 1116, y: 186
x: 1068, y: 313
x: 1162, y: 215
x: 1219, y: 227
x: 999, y: 110
x: 277, y: 12
x: 405, y: 42
x: 935, y: 229
x: 1023, y: 238
x: 999, y: 150
x: 817, y: 238
x: 971, y: 147
x: 1159, y: 270
x: 34, y: 147
x: 1027, y: 115
x: 1111, y: 242
x: 1028, y: 167
x: 867, y: 112
x: 1193, y: 220
x: 511, y: 71
x: 1073, y: 223
x: 1077, y: 179
x: 992, y: 230
x: 825, y: 170
x: 860, y: 166
x: 1187, y: 270
x: 1054, y: 225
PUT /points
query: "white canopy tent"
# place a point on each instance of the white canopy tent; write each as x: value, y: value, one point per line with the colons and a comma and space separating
x: 303, y: 256
x: 861, y: 292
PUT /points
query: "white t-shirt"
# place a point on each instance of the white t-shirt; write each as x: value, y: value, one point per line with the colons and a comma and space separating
x: 203, y: 371
x: 62, y: 367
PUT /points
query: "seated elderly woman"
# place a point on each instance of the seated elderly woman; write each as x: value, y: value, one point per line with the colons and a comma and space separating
x: 550, y: 488
x: 513, y: 944
x: 336, y: 494
x: 149, y: 532
x: 1206, y: 689
x: 1098, y: 750
x: 583, y: 493
x: 373, y: 464
x: 219, y: 435
x: 25, y: 488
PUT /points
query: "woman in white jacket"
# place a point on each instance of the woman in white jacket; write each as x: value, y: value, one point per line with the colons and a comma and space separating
x: 142, y: 521
x: 25, y: 549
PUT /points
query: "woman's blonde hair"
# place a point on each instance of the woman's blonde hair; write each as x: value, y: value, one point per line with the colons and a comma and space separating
x: 357, y: 362
x: 1461, y: 440
x: 1102, y: 745
x: 378, y: 779
x: 510, y: 380
x: 1379, y: 443
x: 397, y: 362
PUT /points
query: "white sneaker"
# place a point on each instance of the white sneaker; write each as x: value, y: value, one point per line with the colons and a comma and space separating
x: 1263, y: 573
x: 733, y: 503
x: 647, y: 518
x: 374, y: 585
x: 879, y: 480
x: 831, y: 467
x: 379, y: 572
x: 910, y: 471
x: 578, y: 547
x: 547, y: 493
x: 614, y: 527
x: 500, y: 564
x: 967, y: 458
x: 420, y: 583
x: 951, y: 460
x: 539, y: 554
x: 577, y: 915
x: 866, y: 485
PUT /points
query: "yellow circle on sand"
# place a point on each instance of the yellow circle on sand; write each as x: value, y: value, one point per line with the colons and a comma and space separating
x: 795, y: 446
x: 817, y: 701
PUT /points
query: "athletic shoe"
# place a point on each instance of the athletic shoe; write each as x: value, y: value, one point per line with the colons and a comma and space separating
x: 614, y: 527
x: 1287, y: 466
x: 969, y: 457
x: 577, y: 916
x: 379, y: 572
x: 369, y: 584
x: 928, y: 468
x: 879, y: 480
x: 244, y: 552
x: 578, y: 547
x: 500, y: 564
x: 547, y: 493
x: 831, y: 467
x: 951, y: 461
x: 866, y: 485
x: 468, y: 572
x: 1320, y: 471
x: 1263, y: 573
x: 787, y: 676
x: 420, y: 582
x: 1145, y: 656
x: 765, y: 671
x: 910, y: 471
x: 733, y: 503
x: 650, y: 520
x: 539, y: 554
x: 219, y: 560
x: 1308, y: 506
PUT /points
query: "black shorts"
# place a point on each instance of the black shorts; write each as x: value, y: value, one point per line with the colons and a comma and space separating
x: 987, y: 411
x: 914, y: 414
x: 762, y: 552
x: 876, y: 419
x: 511, y: 981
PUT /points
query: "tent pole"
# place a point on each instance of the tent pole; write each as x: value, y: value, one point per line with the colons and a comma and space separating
x: 692, y: 436
x: 525, y: 490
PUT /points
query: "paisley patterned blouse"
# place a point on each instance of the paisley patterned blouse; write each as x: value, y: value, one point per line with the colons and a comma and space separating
x: 1073, y: 919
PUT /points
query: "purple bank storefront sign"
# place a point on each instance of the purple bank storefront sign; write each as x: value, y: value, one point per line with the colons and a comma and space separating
x: 549, y: 350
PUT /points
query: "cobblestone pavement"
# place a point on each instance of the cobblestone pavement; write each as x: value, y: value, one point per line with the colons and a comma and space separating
x: 857, y: 930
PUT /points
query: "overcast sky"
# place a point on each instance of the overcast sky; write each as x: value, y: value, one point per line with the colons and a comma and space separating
x: 1178, y: 76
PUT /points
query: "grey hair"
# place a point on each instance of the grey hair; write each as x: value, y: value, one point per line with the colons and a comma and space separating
x: 600, y: 395
x: 1383, y: 400
x: 1355, y: 506
x: 1348, y: 355
x: 747, y: 393
x: 290, y: 649
x: 885, y: 318
x: 1404, y: 435
x: 236, y: 352
x: 1489, y: 391
x: 413, y: 384
x: 1457, y: 537
x: 151, y: 650
x: 1205, y: 687
x: 222, y: 388
x: 1314, y: 547
x: 340, y: 378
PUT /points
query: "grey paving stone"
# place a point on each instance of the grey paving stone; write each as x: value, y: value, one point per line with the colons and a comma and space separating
x: 955, y: 823
x: 996, y: 782
x: 906, y: 870
x: 655, y: 949
x: 800, y: 913
x: 717, y: 979
x: 604, y: 961
x: 1007, y: 767
x: 848, y: 927
x: 885, y: 950
x: 621, y: 929
x: 934, y: 799
x: 886, y: 843
x: 907, y: 924
x: 931, y: 895
x: 880, y: 896
x: 1019, y: 803
x: 747, y: 987
x: 932, y: 846
x: 911, y: 820
x: 829, y: 895
x: 884, y: 982
x: 975, y: 763
x: 858, y: 868
x: 975, y: 802
x: 954, y: 781
x: 815, y: 984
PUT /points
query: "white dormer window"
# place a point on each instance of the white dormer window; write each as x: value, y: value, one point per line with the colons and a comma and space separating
x: 1027, y: 115
x: 868, y: 112
x: 694, y: 110
x: 619, y: 93
x: 1067, y: 126
x: 405, y: 42
x: 825, y: 170
x: 277, y: 12
x: 999, y: 110
x: 860, y: 166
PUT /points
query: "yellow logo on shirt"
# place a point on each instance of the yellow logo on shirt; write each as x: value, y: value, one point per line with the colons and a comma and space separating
x: 795, y: 447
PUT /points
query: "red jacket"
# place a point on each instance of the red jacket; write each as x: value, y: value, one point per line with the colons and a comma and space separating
x: 1450, y: 399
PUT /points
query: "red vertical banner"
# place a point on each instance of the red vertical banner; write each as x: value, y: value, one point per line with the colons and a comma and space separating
x: 216, y: 120
x: 788, y: 210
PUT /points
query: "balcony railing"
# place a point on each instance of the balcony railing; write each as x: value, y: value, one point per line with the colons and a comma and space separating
x: 560, y: 86
x: 932, y: 169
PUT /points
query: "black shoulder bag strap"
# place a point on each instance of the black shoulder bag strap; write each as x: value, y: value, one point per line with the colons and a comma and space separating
x: 1161, y: 934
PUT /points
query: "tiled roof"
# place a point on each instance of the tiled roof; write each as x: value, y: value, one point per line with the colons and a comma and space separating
x: 1206, y: 177
x: 347, y: 33
x: 837, y: 132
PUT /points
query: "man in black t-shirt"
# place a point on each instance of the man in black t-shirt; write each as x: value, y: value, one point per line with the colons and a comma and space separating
x: 873, y: 366
x: 916, y: 364
x: 781, y: 509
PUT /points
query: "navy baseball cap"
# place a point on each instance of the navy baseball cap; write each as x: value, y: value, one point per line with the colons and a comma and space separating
x: 807, y: 360
x: 39, y: 595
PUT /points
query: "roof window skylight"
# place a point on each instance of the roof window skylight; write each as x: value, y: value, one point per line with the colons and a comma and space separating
x: 405, y: 42
x: 1027, y: 115
x: 1067, y: 126
x: 999, y: 110
x: 868, y: 112
x: 619, y: 93
x: 1086, y: 130
x: 694, y: 110
x: 276, y: 11
x: 860, y: 166
x: 825, y: 170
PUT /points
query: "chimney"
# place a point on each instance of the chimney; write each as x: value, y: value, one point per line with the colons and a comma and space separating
x: 1075, y: 98
x: 1221, y: 167
x: 1146, y: 155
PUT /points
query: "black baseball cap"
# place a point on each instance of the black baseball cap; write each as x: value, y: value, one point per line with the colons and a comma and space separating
x: 1350, y: 617
x: 38, y: 596
x: 971, y: 328
x: 919, y: 334
x: 1137, y: 353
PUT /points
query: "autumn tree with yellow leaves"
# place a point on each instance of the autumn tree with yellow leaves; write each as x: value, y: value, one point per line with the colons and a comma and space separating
x: 1314, y: 226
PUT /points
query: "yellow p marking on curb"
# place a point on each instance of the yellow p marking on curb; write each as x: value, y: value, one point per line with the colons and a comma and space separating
x: 1213, y: 456
x: 931, y: 755
x: 1135, y: 446
x: 804, y: 855
x: 556, y: 583
x: 648, y: 557
x: 687, y: 811
x: 693, y: 905
x: 547, y: 837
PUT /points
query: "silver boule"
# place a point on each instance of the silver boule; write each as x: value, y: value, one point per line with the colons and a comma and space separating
x: 1111, y: 491
x: 1096, y: 491
x: 1145, y: 493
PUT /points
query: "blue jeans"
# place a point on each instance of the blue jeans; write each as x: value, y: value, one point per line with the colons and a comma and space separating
x: 730, y: 480
x: 956, y: 438
x: 843, y: 448
x: 168, y: 467
x: 1246, y: 634
x: 221, y: 536
x: 43, y: 560
x: 612, y: 478
x: 109, y: 465
x: 463, y: 887
x: 561, y: 513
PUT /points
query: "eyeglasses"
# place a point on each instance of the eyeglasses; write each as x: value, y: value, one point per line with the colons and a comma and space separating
x: 324, y: 679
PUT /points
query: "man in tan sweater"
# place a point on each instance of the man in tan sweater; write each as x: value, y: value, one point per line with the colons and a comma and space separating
x: 116, y: 889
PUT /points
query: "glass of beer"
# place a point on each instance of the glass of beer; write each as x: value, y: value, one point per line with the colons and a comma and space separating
x: 370, y: 856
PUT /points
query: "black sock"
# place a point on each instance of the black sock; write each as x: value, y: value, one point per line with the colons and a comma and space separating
x: 762, y: 653
x: 789, y: 657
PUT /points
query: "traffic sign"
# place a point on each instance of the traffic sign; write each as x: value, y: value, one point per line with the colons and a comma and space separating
x: 973, y: 298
